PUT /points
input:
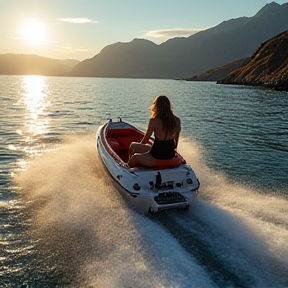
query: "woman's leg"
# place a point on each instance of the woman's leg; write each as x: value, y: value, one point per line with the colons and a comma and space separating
x: 145, y: 160
x: 136, y: 147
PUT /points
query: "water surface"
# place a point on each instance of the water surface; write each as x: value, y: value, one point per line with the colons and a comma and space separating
x: 63, y: 223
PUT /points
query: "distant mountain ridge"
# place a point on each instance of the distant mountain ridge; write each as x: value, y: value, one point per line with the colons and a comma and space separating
x: 180, y: 58
x: 219, y: 73
x: 26, y: 64
x: 268, y: 67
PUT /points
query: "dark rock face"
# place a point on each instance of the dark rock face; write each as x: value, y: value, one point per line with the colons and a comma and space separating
x: 268, y: 67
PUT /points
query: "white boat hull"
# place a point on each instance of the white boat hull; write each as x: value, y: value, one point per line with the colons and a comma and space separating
x: 148, y: 189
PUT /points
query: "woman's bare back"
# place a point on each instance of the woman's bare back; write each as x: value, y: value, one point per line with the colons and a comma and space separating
x: 160, y: 133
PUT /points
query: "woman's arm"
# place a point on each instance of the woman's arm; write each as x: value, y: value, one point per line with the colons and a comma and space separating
x: 149, y: 132
x: 178, y: 123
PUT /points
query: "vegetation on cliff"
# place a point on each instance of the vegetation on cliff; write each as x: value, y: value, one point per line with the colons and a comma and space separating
x: 268, y: 67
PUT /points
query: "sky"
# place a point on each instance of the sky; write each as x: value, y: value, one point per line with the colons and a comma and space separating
x: 80, y: 29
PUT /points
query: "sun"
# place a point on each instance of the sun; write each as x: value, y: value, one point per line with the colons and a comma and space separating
x: 34, y: 32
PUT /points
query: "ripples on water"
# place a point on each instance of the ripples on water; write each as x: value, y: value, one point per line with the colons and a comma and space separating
x: 64, y: 224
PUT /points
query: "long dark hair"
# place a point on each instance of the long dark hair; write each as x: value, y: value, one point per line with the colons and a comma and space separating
x: 162, y: 108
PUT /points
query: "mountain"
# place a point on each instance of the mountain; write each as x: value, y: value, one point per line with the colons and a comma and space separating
x: 268, y: 66
x: 219, y: 73
x: 70, y: 63
x: 128, y: 60
x: 24, y: 64
x: 184, y: 57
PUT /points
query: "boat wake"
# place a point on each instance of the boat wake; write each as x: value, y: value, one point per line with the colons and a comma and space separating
x: 233, y: 237
x: 244, y: 228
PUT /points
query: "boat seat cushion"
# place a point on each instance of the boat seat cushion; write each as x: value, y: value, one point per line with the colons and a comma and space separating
x: 122, y: 138
x: 114, y: 144
x: 168, y: 163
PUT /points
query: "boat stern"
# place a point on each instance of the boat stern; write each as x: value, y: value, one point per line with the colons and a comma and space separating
x: 152, y: 190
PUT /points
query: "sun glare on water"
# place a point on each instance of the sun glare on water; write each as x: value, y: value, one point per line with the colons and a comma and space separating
x: 34, y: 32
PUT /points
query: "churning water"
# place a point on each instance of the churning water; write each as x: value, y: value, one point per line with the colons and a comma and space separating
x: 64, y: 224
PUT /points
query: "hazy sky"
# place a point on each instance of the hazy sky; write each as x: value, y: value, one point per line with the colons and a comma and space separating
x: 79, y: 29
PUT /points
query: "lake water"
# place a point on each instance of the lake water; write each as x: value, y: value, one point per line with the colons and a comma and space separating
x: 63, y: 223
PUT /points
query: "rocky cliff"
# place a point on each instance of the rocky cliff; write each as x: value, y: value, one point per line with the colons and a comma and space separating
x: 268, y: 67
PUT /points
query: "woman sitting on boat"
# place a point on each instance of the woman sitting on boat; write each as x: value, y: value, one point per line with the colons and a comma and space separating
x: 166, y: 128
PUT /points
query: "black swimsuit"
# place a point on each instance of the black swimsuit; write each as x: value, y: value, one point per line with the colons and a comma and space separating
x: 163, y: 149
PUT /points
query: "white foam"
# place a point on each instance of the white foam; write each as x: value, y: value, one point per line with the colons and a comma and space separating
x: 76, y: 203
x: 252, y: 227
x: 84, y: 218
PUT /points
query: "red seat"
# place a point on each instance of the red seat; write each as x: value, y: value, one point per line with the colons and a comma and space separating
x: 114, y: 144
x: 168, y: 163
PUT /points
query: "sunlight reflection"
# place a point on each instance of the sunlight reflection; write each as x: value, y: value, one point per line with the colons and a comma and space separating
x: 19, y: 132
x: 35, y: 97
x: 35, y: 100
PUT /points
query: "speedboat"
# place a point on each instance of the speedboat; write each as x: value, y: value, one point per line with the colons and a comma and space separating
x: 170, y: 184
